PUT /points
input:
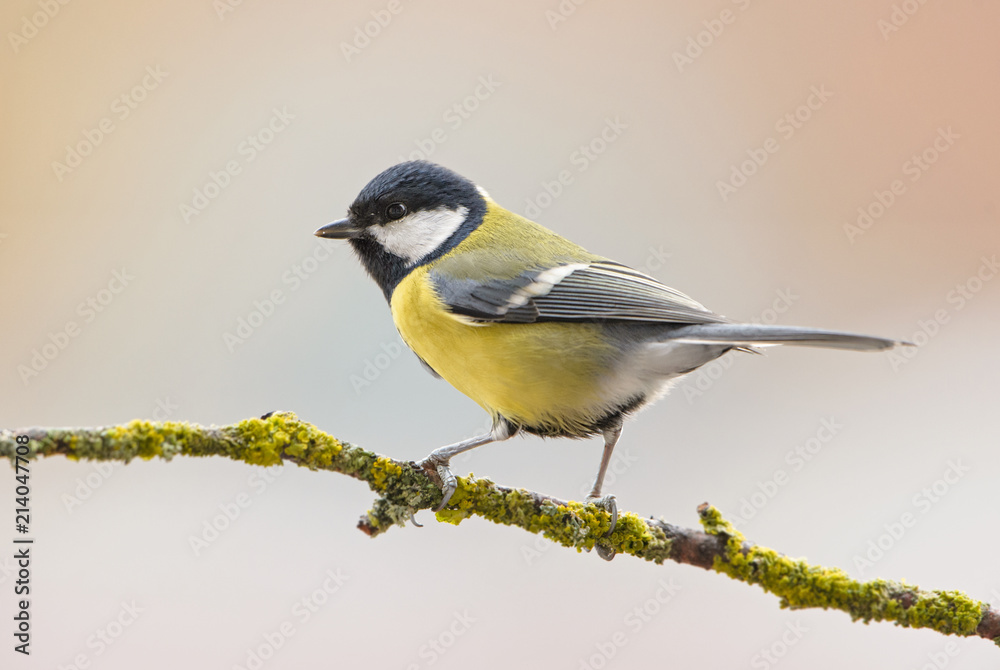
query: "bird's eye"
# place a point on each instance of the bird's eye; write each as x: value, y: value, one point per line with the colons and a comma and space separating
x: 396, y: 210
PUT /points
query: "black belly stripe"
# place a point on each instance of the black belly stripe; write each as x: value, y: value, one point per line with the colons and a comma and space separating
x: 595, y: 427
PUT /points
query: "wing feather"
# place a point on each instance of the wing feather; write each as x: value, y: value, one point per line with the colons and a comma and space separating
x: 572, y: 292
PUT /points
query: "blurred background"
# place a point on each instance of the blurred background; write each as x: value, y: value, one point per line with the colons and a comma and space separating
x: 164, y: 166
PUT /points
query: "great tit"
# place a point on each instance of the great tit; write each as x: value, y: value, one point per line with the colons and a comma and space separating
x: 547, y: 337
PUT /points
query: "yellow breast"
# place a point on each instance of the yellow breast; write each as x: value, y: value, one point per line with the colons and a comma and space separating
x: 544, y: 375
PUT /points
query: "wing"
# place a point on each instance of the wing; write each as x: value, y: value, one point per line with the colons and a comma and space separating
x: 570, y: 292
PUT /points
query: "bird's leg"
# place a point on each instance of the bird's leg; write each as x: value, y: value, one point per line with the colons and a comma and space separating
x: 440, y: 458
x: 611, y: 436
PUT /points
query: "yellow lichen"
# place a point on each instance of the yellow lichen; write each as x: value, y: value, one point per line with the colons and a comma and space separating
x: 382, y: 469
x: 575, y: 524
x: 404, y: 489
x: 800, y: 585
x: 282, y: 434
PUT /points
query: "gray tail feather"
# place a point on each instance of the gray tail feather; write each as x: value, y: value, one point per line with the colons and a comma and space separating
x: 749, y: 335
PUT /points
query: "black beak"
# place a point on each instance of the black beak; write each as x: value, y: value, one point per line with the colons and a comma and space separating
x: 343, y: 229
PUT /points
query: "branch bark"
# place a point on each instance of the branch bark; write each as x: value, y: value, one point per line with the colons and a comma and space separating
x: 403, y: 488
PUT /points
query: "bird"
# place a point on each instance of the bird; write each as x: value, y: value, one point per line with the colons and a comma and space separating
x: 547, y: 337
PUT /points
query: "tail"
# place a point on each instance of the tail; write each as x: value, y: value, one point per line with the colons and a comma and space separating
x: 750, y: 335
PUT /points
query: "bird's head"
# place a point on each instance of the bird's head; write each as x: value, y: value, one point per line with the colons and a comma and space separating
x: 408, y: 215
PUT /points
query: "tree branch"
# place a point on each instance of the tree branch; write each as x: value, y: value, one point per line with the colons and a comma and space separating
x: 403, y: 488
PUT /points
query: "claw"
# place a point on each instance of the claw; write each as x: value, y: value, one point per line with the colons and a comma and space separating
x: 607, y: 553
x: 439, y: 458
x: 609, y: 504
x: 448, y: 485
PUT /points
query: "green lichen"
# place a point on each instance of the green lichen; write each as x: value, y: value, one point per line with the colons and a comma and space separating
x: 636, y: 537
x: 136, y: 439
x: 404, y: 488
x: 382, y: 470
x: 574, y: 524
x: 800, y: 585
x: 281, y: 435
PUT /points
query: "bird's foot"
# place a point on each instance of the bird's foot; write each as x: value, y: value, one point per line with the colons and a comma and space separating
x: 448, y: 482
x: 608, y: 504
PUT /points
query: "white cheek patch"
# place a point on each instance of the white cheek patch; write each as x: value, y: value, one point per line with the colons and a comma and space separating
x: 417, y: 234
